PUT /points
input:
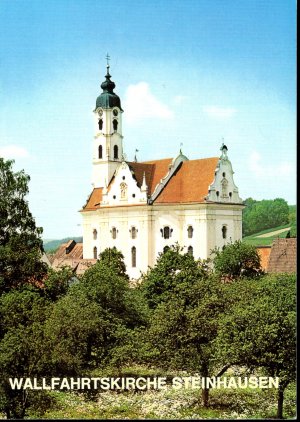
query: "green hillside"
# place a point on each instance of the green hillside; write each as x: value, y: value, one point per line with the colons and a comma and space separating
x: 268, y: 236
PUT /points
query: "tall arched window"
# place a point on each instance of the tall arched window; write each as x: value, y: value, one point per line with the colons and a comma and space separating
x: 100, y: 152
x: 166, y: 232
x: 100, y: 124
x: 95, y: 234
x: 190, y: 232
x: 115, y: 124
x: 190, y: 250
x: 133, y: 256
x: 224, y: 232
x: 116, y: 151
x: 95, y: 253
x: 114, y: 233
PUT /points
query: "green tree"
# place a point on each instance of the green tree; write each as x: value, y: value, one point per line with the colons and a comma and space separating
x: 22, y: 346
x: 93, y: 318
x: 260, y: 329
x: 161, y: 280
x: 186, y: 302
x: 265, y: 214
x: 237, y: 260
x: 184, y: 327
x: 20, y: 238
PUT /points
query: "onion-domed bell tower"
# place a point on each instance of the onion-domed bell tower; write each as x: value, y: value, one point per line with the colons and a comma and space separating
x: 108, y: 139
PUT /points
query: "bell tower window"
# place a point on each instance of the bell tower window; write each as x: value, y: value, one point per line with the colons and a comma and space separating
x: 100, y: 152
x: 95, y: 253
x: 115, y: 125
x: 166, y: 232
x: 100, y: 124
x: 190, y: 250
x: 116, y: 152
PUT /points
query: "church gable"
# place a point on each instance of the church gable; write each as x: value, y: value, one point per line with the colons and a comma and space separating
x: 124, y: 189
x: 223, y: 188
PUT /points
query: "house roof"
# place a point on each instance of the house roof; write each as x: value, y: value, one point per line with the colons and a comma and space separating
x: 189, y: 183
x: 283, y: 256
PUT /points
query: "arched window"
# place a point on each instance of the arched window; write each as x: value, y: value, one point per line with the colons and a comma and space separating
x: 95, y: 234
x: 133, y: 256
x: 115, y: 125
x: 116, y: 152
x: 190, y: 250
x: 224, y: 232
x: 95, y: 253
x: 166, y: 232
x: 100, y: 152
x: 133, y: 232
x: 100, y: 124
x: 190, y: 232
x: 114, y: 233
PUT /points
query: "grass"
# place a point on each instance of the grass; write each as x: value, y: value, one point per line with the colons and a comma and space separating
x: 170, y: 404
x: 266, y: 241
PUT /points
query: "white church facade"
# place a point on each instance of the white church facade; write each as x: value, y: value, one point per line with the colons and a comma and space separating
x: 143, y: 207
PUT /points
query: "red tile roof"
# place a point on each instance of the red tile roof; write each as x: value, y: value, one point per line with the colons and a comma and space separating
x: 189, y: 184
x: 283, y: 256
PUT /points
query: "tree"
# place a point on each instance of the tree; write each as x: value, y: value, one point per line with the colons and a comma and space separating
x: 22, y: 346
x: 184, y: 327
x: 237, y: 260
x: 186, y: 302
x: 265, y: 214
x: 20, y: 238
x: 93, y: 318
x: 260, y: 329
x: 161, y: 280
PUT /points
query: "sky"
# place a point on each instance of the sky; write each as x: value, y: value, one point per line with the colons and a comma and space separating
x: 191, y: 74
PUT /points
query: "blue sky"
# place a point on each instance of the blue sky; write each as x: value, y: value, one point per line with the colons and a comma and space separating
x: 188, y: 72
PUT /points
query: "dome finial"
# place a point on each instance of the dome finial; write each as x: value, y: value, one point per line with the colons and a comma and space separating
x: 107, y: 62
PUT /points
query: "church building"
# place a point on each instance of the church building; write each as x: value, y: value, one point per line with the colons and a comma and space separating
x: 143, y: 207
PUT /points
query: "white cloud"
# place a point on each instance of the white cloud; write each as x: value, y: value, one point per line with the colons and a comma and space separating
x: 141, y: 104
x: 13, y: 151
x: 261, y: 168
x: 220, y: 113
x: 179, y: 99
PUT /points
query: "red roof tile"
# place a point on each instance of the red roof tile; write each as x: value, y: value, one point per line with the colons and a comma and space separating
x: 190, y: 183
x: 283, y: 256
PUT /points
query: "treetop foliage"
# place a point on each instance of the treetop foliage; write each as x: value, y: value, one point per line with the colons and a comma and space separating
x: 237, y: 260
x: 20, y: 238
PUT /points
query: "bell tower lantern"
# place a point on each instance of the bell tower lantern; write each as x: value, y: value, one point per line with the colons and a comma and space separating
x: 108, y: 139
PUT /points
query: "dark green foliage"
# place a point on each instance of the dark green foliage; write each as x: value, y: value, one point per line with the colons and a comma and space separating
x: 22, y: 346
x: 237, y: 260
x: 171, y: 268
x: 91, y: 321
x: 265, y: 214
x: 56, y: 283
x: 260, y: 329
x: 20, y: 239
x: 112, y: 258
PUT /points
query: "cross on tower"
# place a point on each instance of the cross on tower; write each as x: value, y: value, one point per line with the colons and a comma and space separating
x: 107, y: 59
